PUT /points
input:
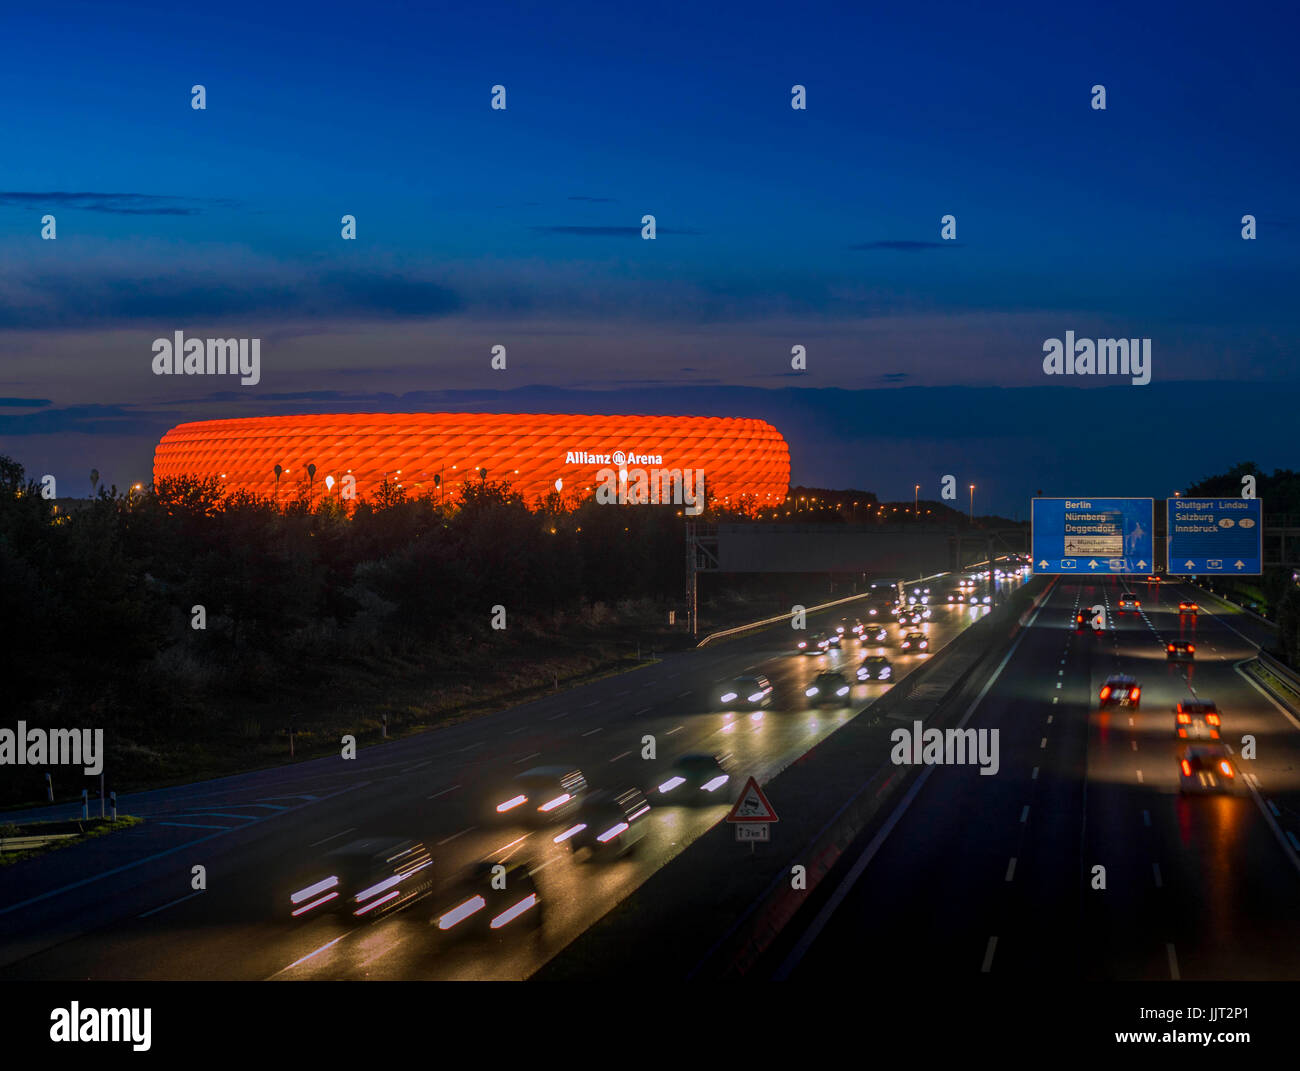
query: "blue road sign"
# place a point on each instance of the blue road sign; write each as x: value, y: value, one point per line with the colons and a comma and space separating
x: 1091, y: 536
x: 1215, y: 535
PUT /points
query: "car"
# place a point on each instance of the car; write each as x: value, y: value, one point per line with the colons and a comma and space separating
x: 829, y: 687
x: 1153, y: 579
x: 541, y: 795
x: 959, y: 596
x: 1197, y: 719
x: 910, y: 617
x: 364, y: 879
x: 1207, y: 768
x: 695, y: 779
x: 1129, y: 604
x: 875, y: 668
x: 1187, y: 607
x: 751, y: 693
x: 488, y: 898
x: 915, y: 641
x: 1180, y: 651
x: 858, y: 626
x: 833, y: 639
x: 812, y: 644
x: 925, y: 612
x: 1120, y: 690
x: 607, y: 823
x: 874, y: 634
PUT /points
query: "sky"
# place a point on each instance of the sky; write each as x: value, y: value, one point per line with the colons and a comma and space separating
x: 776, y: 227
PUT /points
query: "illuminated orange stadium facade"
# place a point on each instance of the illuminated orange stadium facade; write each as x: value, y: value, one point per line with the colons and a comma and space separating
x: 741, y: 458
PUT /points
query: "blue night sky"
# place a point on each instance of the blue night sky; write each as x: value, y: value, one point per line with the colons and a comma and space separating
x: 776, y: 227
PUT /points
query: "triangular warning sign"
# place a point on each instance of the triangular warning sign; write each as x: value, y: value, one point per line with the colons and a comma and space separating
x: 752, y: 806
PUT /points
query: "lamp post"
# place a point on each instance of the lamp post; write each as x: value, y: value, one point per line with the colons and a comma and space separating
x: 916, y: 504
x: 972, y: 503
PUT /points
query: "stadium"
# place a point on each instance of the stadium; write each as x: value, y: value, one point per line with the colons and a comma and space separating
x: 742, y: 459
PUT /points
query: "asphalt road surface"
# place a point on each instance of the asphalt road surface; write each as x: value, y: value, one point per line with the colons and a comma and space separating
x: 122, y: 907
x: 994, y: 875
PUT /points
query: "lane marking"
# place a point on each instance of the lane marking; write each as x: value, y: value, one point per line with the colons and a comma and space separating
x: 1139, y: 777
x: 534, y: 755
x: 1043, y: 744
x: 1155, y: 869
x: 442, y: 792
x: 1011, y: 868
x: 592, y: 732
x: 988, y: 956
x: 448, y: 840
x: 332, y: 836
x: 677, y: 730
x: 624, y: 755
x: 1146, y: 818
x: 1173, y: 961
x: 155, y: 911
x: 1024, y: 815
x: 309, y: 955
x: 1034, y: 775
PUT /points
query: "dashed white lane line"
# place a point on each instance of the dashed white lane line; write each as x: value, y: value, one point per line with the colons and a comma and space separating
x: 1034, y: 775
x: 557, y: 717
x: 417, y: 766
x: 332, y: 836
x: 1049, y: 718
x: 1011, y: 868
x: 442, y: 792
x: 638, y: 713
x: 511, y: 732
x: 622, y: 755
x: 1024, y: 815
x: 448, y: 840
x: 988, y: 956
x: 534, y: 755
x: 1146, y: 818
x: 1173, y: 961
x: 172, y: 904
x: 588, y: 706
x: 592, y: 732
x: 1134, y: 743
x: 1043, y: 743
x: 683, y: 695
x: 1155, y: 870
x: 1139, y: 773
x: 677, y: 730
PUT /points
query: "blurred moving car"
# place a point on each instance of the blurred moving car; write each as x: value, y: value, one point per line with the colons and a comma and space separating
x: 829, y: 687
x: 695, y: 779
x: 1197, y: 719
x: 542, y: 794
x: 1207, y: 768
x: 914, y: 641
x: 1189, y: 607
x: 1180, y: 651
x: 1129, y: 604
x: 607, y: 823
x: 748, y: 692
x: 875, y: 668
x: 1120, y: 690
x: 365, y: 878
x: 874, y: 634
x: 488, y: 897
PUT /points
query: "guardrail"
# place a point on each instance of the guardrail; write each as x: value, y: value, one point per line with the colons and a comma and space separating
x: 1280, y: 669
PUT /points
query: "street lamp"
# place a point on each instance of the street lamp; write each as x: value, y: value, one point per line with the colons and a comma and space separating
x: 972, y: 503
x: 916, y: 492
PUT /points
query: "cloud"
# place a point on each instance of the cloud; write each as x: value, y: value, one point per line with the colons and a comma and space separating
x: 904, y: 246
x: 608, y: 232
x: 119, y: 204
x: 895, y: 377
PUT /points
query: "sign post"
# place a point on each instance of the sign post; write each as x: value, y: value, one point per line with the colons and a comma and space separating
x: 752, y: 815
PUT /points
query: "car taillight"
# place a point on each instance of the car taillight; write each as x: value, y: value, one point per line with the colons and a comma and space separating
x: 1227, y: 770
x: 1105, y: 692
x: 1191, y: 648
x: 1212, y: 719
x: 1184, y: 719
x: 1170, y: 647
x: 1135, y: 693
x: 1187, y: 768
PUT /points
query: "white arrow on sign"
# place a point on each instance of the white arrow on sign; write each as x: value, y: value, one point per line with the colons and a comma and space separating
x: 1189, y: 563
x: 1239, y: 564
x: 1043, y: 564
x: 1092, y: 564
x: 1142, y: 565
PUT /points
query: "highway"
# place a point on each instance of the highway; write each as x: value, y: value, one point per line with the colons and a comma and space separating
x: 996, y: 876
x: 122, y: 907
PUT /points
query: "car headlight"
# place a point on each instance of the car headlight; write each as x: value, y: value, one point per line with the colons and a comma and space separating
x: 842, y: 691
x: 810, y: 691
x: 728, y: 697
